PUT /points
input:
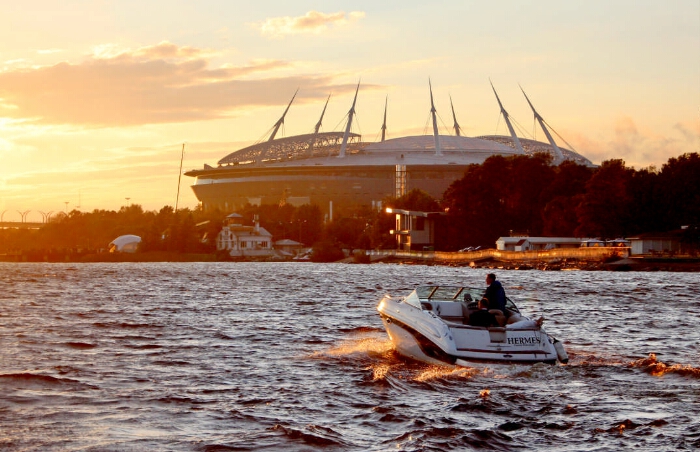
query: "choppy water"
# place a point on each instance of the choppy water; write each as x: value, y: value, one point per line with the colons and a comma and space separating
x: 236, y: 356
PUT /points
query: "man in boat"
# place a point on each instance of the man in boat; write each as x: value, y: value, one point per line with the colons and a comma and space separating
x: 495, y: 293
x: 483, y: 317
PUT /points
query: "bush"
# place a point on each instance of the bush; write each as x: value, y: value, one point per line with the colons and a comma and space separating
x: 361, y: 257
x: 326, y: 252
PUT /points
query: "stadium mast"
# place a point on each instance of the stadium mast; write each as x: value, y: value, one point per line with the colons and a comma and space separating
x: 351, y: 114
x: 317, y: 127
x: 518, y: 146
x: 558, y: 156
x: 458, y: 129
x: 275, y: 128
x: 281, y: 120
x: 436, y: 135
x: 320, y: 120
x: 386, y: 102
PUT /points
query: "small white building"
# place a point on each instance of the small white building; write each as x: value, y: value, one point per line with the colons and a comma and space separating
x: 536, y: 243
x: 240, y: 240
x: 289, y: 247
x: 660, y: 243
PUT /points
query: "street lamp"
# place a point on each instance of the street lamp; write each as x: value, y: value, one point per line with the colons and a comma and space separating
x: 46, y: 215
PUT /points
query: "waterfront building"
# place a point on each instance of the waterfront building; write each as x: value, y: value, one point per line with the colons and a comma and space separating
x: 244, y: 241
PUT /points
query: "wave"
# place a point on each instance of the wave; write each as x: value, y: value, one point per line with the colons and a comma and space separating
x: 362, y: 330
x: 42, y: 380
x: 315, y: 435
x: 125, y: 325
x: 451, y: 438
x: 657, y: 368
x: 628, y: 425
x: 81, y: 345
x: 36, y: 377
x: 370, y: 346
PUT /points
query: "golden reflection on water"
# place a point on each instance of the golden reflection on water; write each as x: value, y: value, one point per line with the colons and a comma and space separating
x: 367, y: 345
x: 436, y: 372
x: 658, y: 369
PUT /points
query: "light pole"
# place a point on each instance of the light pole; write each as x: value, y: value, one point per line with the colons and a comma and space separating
x: 66, y: 203
x: 46, y: 215
x: 300, y: 223
x: 127, y: 201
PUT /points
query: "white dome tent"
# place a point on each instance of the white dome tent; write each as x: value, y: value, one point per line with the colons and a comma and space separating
x: 125, y: 244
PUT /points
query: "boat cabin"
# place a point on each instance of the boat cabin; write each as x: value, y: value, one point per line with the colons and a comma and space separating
x: 452, y: 303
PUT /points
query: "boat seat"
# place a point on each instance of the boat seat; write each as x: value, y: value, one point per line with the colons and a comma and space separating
x: 449, y: 310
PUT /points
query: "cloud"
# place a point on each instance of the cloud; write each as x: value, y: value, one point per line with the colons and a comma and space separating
x: 163, y: 83
x: 48, y: 51
x: 313, y: 22
x: 639, y: 148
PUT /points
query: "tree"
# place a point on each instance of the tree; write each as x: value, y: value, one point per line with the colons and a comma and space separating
x: 526, y: 180
x: 605, y: 207
x: 559, y: 217
x: 680, y: 188
x: 416, y: 200
x: 346, y: 232
x: 309, y: 221
x: 562, y: 196
x: 646, y: 210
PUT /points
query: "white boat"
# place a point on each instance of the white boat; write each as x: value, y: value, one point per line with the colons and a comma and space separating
x: 431, y: 325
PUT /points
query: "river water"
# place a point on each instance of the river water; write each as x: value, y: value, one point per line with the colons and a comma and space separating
x: 278, y: 356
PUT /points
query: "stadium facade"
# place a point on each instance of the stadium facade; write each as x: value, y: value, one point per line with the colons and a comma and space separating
x: 337, y: 170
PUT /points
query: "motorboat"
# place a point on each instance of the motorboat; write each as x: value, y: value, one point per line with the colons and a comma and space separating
x: 431, y: 325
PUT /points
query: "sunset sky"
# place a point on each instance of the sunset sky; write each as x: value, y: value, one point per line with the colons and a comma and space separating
x: 97, y: 97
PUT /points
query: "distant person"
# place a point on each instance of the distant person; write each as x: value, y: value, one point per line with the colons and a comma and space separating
x: 483, y: 317
x: 495, y: 294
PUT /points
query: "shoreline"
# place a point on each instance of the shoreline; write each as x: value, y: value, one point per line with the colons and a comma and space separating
x: 643, y: 264
x: 566, y: 264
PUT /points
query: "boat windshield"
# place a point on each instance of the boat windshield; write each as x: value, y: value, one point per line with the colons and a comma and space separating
x: 451, y: 293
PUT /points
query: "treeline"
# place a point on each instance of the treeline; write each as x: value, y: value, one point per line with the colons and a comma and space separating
x: 526, y: 195
x: 520, y: 194
x: 84, y: 232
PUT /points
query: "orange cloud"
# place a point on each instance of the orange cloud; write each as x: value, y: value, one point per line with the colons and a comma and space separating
x: 156, y: 84
x: 640, y: 148
x: 312, y: 22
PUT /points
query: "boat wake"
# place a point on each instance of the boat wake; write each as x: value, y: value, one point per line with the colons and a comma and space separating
x: 370, y: 346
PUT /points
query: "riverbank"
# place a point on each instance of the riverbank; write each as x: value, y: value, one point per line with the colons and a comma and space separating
x: 564, y: 264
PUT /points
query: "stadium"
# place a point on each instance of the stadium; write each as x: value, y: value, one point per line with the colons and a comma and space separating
x: 338, y: 171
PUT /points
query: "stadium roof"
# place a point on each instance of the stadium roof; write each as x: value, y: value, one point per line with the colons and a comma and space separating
x: 448, y: 144
x: 323, y: 149
x: 299, y: 146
